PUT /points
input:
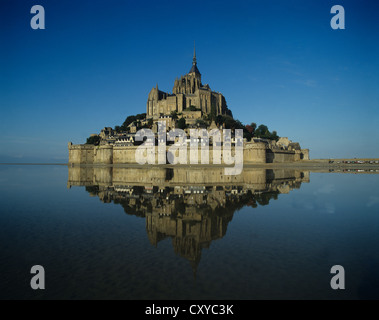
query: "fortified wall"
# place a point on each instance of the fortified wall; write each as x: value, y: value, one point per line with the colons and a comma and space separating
x: 253, y: 153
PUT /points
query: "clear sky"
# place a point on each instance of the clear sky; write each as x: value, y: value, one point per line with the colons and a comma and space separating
x: 277, y: 62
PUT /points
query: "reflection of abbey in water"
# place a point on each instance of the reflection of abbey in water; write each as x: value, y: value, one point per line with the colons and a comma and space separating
x: 192, y: 213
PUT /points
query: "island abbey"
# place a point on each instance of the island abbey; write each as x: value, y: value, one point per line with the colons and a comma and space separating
x: 191, y: 105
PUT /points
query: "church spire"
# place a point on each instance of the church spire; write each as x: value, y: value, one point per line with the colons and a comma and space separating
x: 194, y: 62
x: 194, y: 68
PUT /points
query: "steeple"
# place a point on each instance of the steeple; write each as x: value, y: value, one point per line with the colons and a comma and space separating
x: 194, y: 62
x: 194, y: 54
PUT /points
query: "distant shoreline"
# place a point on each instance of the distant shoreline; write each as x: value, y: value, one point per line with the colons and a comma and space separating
x: 322, y: 162
x: 32, y: 164
x: 321, y: 165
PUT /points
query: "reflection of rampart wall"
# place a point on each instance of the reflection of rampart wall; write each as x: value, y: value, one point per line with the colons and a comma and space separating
x: 178, y: 176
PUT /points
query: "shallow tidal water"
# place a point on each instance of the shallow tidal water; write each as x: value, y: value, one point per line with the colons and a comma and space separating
x: 116, y: 235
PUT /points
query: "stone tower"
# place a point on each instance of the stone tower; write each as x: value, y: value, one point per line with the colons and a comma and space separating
x: 188, y: 91
x: 191, y: 82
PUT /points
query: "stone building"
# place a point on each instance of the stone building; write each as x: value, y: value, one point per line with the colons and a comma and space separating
x: 106, y: 132
x: 188, y: 92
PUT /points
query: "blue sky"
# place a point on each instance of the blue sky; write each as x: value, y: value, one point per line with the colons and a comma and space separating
x: 277, y: 62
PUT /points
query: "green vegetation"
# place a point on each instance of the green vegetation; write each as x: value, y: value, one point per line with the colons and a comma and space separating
x: 174, y: 115
x: 227, y: 121
x: 201, y: 123
x: 182, y: 123
x: 249, y: 131
x: 264, y: 198
x: 263, y: 132
x: 129, y: 120
x: 93, y: 140
x: 193, y: 108
x: 253, y: 125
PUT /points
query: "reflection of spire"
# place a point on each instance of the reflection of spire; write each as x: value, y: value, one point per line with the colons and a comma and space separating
x: 194, y: 266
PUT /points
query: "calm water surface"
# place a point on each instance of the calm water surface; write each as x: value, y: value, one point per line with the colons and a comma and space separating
x: 144, y: 234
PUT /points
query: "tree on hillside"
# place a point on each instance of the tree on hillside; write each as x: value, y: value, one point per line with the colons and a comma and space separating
x: 141, y: 116
x: 263, y: 132
x: 231, y: 123
x: 247, y: 134
x: 220, y: 120
x: 174, y: 115
x: 250, y: 128
x: 274, y: 136
x: 182, y: 123
x: 130, y: 119
x: 201, y: 123
x: 95, y: 140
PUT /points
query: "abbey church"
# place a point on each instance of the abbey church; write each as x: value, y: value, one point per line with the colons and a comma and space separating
x: 188, y: 93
